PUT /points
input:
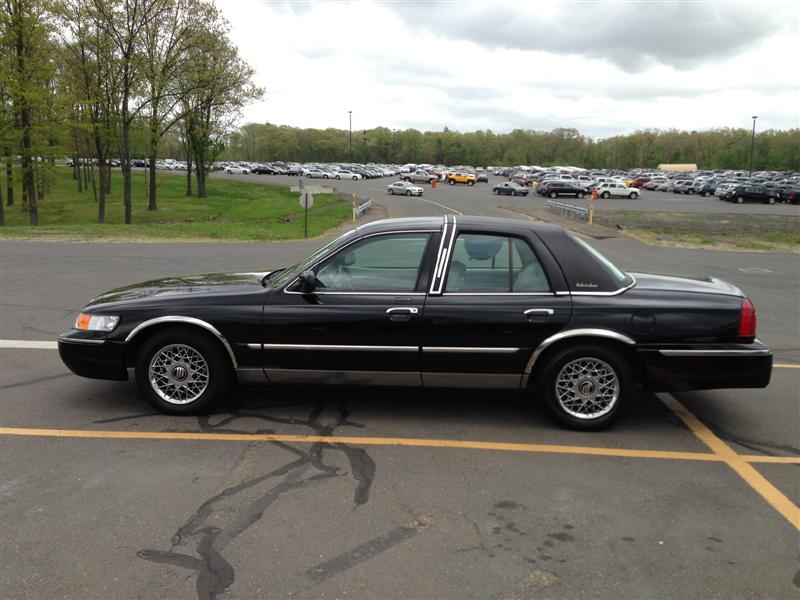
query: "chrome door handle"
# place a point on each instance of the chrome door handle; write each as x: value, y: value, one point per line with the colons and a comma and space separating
x: 538, y: 311
x: 401, y: 313
x: 411, y: 310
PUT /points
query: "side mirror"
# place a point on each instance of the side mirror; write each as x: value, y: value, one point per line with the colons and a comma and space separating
x: 308, y: 281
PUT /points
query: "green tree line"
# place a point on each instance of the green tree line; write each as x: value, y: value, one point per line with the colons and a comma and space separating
x: 103, y: 79
x: 713, y: 149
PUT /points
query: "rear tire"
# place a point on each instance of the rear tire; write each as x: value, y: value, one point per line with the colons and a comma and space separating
x: 452, y: 182
x: 337, y: 177
x: 605, y: 195
x: 470, y: 183
x: 408, y: 192
x: 770, y: 200
x: 580, y: 195
x: 739, y: 200
x: 633, y: 195
x: 182, y: 372
x: 553, y: 195
x: 585, y: 386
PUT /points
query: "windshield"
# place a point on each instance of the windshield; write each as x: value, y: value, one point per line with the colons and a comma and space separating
x: 286, y: 275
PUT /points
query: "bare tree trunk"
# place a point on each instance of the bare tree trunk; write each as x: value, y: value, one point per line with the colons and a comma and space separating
x: 201, y: 179
x: 126, y: 161
x: 9, y: 180
x: 2, y: 209
x: 189, y: 174
x: 91, y: 176
x: 152, y: 203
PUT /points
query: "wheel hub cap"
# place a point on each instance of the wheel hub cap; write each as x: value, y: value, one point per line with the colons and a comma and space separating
x: 178, y: 374
x: 587, y: 388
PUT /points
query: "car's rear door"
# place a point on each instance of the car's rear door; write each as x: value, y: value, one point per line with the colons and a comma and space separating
x: 491, y: 302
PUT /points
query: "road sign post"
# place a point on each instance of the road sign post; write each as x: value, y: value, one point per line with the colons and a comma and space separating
x: 306, y: 201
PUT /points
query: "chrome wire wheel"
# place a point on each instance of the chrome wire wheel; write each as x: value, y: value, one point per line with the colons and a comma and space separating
x: 178, y: 374
x: 587, y: 388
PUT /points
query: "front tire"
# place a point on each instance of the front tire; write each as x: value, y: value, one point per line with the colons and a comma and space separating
x: 182, y: 372
x: 338, y: 178
x: 740, y: 200
x: 408, y: 192
x: 633, y: 195
x: 605, y: 195
x: 585, y: 387
x: 553, y: 195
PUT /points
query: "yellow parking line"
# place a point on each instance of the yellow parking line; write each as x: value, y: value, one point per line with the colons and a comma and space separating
x: 785, y: 366
x: 742, y: 468
x: 362, y: 441
x: 783, y: 460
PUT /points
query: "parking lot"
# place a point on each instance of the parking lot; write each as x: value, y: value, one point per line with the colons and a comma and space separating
x: 320, y: 493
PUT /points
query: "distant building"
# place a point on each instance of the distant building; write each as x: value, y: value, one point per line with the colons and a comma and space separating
x: 677, y: 167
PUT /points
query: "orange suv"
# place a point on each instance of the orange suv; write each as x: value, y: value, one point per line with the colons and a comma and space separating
x: 460, y: 177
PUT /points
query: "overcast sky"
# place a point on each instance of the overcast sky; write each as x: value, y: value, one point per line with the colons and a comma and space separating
x: 601, y: 67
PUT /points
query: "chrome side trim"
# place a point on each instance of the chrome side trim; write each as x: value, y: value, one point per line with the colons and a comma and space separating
x: 467, y: 350
x: 762, y: 352
x: 67, y: 340
x: 188, y: 321
x: 320, y: 293
x: 398, y: 378
x: 443, y: 257
x: 504, y: 293
x: 563, y: 335
x: 334, y: 347
x: 472, y: 380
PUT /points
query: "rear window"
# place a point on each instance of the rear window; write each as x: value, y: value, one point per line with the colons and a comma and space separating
x: 618, y: 275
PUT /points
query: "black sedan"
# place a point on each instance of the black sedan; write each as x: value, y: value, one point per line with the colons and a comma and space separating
x: 510, y: 188
x: 750, y: 193
x: 554, y: 189
x: 434, y: 302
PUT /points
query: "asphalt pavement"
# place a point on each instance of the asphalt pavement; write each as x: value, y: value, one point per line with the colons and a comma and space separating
x: 412, y: 494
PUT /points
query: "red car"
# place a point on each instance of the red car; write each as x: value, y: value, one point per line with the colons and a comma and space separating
x: 639, y: 182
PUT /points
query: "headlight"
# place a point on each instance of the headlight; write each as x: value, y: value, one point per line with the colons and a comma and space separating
x: 86, y: 322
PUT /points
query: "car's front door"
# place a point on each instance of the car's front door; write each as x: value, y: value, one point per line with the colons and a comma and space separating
x: 490, y: 309
x: 361, y: 324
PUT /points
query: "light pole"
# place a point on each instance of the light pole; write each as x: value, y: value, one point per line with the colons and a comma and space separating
x: 350, y: 113
x: 753, y: 144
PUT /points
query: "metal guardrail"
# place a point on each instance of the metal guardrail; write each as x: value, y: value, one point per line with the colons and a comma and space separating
x: 568, y: 210
x: 362, y: 208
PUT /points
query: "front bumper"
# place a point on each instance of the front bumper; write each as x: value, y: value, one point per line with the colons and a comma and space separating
x: 93, y: 357
x: 682, y: 368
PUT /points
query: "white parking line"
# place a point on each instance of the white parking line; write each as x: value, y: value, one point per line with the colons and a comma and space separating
x: 441, y: 205
x: 27, y: 345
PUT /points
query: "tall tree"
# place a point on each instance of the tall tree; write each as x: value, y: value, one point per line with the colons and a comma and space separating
x: 166, y: 43
x: 215, y: 84
x: 25, y: 30
x: 125, y: 21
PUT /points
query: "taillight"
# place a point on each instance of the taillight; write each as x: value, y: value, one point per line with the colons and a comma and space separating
x: 747, y: 322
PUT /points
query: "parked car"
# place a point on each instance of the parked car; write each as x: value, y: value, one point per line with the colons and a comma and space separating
x: 433, y: 302
x: 482, y: 176
x: 639, y: 182
x: 455, y: 177
x: 406, y: 188
x: 790, y: 194
x: 554, y: 189
x: 709, y: 188
x: 750, y: 193
x: 510, y: 188
x: 231, y: 169
x: 346, y: 175
x: 315, y: 173
x: 686, y: 186
x: 607, y: 190
x: 421, y: 176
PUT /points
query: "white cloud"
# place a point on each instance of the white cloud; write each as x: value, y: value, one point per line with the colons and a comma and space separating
x: 404, y: 66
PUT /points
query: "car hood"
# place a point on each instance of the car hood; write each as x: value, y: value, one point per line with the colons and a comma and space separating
x: 699, y: 284
x: 209, y: 283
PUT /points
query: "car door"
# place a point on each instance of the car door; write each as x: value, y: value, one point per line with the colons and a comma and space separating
x: 361, y: 324
x: 490, y: 308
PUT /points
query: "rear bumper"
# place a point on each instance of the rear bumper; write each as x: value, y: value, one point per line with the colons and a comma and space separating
x: 92, y: 357
x: 706, y: 367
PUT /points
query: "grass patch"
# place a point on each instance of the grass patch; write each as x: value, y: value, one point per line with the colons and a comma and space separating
x: 748, y: 232
x: 233, y: 210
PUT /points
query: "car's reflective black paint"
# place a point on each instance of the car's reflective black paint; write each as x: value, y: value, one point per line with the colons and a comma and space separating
x: 675, y: 333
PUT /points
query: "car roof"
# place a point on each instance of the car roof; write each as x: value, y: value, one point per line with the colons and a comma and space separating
x: 469, y: 222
